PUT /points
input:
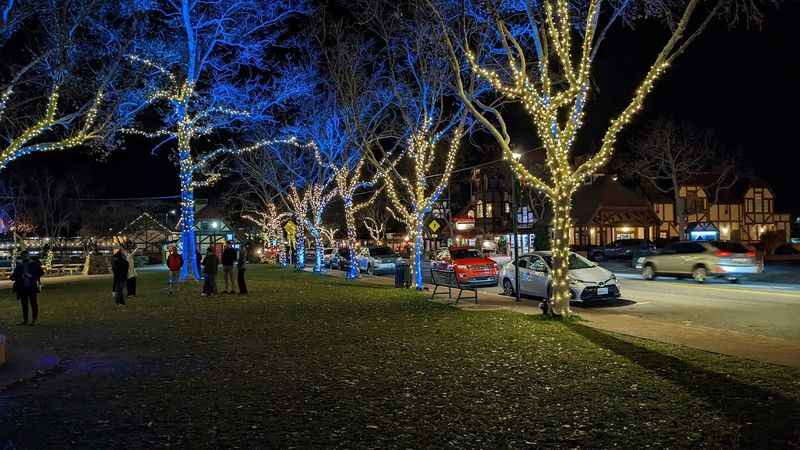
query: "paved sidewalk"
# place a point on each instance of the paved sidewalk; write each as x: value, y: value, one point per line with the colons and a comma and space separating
x: 759, y: 348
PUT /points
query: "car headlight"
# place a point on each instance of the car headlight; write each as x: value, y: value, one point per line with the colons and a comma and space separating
x: 640, y: 259
x: 574, y: 282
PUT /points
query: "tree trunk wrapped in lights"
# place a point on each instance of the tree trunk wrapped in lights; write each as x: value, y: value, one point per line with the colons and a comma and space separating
x: 348, y: 183
x: 269, y: 223
x: 318, y: 197
x: 412, y: 198
x: 554, y: 90
x: 198, y: 88
x: 299, y: 206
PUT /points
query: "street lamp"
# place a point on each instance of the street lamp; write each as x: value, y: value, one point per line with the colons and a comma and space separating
x: 172, y: 212
x: 515, y: 156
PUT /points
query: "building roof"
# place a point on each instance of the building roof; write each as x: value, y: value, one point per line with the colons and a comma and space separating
x: 607, y: 194
x: 144, y: 222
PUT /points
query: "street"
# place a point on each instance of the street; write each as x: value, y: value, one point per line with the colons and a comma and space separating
x: 752, y: 308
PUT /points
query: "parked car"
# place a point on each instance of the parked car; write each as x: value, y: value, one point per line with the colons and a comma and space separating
x: 587, y: 281
x: 700, y: 260
x: 469, y: 264
x: 340, y: 259
x: 622, y: 249
x: 378, y: 260
x: 326, y: 256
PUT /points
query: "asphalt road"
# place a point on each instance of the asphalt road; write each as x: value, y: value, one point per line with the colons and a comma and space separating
x: 752, y: 308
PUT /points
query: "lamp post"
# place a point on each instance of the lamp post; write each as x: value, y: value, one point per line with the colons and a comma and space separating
x: 516, y: 157
x: 171, y: 212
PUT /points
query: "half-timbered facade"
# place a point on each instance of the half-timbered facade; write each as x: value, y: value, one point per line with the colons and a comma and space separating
x: 741, y: 213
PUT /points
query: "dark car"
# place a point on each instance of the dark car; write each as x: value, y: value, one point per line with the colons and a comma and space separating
x: 623, y: 249
x: 340, y: 259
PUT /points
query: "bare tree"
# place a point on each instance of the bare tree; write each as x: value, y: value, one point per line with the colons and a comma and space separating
x: 668, y: 155
x: 49, y: 202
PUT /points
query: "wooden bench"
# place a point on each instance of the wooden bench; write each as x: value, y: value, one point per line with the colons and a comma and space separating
x: 448, y: 279
x: 66, y: 269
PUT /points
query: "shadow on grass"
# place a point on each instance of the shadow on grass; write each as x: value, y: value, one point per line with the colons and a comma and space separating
x: 356, y: 284
x: 767, y: 419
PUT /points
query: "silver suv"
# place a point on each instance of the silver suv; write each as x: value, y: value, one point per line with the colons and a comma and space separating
x: 700, y: 260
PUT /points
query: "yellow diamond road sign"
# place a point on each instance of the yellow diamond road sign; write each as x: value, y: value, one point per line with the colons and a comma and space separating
x: 434, y: 226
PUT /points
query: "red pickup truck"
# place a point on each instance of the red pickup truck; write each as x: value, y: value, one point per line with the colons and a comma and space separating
x: 469, y: 264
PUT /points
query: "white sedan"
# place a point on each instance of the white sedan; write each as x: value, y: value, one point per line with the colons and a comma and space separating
x: 587, y: 280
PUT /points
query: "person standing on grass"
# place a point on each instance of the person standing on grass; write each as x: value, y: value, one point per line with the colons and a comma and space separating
x: 241, y: 265
x: 174, y: 264
x: 210, y: 267
x: 131, y: 281
x: 26, y: 285
x: 228, y: 259
x: 119, y: 267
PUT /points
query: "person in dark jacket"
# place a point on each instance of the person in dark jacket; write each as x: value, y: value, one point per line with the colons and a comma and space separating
x: 119, y: 267
x: 26, y: 278
x: 241, y: 266
x: 210, y: 268
x: 228, y: 258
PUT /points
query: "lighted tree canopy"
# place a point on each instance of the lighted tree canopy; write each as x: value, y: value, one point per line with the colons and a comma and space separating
x: 61, y: 74
x: 195, y: 58
x: 541, y: 56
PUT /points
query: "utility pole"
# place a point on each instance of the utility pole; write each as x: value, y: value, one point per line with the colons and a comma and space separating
x: 514, y: 208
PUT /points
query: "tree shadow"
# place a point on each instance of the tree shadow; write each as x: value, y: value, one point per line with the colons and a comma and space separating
x: 767, y: 419
x: 356, y: 284
x: 610, y: 303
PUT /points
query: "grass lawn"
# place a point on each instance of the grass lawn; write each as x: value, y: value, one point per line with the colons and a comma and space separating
x: 311, y: 361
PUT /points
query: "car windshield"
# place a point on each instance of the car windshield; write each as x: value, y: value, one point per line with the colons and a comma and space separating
x: 381, y: 251
x: 732, y: 247
x: 575, y: 261
x: 463, y: 253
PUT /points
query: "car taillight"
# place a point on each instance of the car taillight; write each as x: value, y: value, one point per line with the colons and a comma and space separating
x: 751, y: 253
x: 722, y: 253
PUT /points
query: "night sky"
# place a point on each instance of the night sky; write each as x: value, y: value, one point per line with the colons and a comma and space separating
x: 740, y: 83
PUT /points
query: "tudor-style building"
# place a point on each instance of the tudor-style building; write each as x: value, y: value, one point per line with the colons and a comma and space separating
x: 148, y: 236
x: 603, y: 211
x: 742, y: 212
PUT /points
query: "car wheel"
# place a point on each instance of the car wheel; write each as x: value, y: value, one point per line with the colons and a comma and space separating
x: 700, y: 274
x: 649, y: 272
x: 508, y: 287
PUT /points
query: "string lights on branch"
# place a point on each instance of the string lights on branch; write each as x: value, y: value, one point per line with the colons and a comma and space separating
x: 556, y: 106
x: 24, y: 143
x: 420, y: 196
